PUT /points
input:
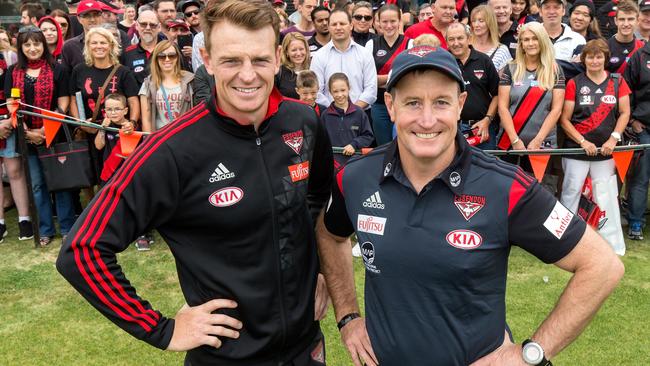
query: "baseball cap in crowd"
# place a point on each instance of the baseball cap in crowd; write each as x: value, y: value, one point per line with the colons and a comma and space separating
x: 107, y: 6
x: 644, y: 5
x: 278, y: 3
x: 88, y: 5
x: 588, y: 4
x: 180, y: 7
x: 424, y: 57
x: 179, y: 21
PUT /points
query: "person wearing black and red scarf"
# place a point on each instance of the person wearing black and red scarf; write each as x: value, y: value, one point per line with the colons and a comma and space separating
x: 384, y: 49
x: 39, y: 78
x: 596, y: 111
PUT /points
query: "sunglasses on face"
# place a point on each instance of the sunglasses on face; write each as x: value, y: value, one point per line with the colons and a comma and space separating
x: 167, y: 56
x: 191, y: 13
x: 366, y: 18
x: 145, y: 25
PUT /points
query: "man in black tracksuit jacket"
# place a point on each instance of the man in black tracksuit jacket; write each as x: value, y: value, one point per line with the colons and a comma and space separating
x: 236, y: 203
x: 245, y: 235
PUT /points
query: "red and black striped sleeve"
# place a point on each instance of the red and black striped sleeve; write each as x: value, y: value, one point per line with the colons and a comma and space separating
x: 140, y: 196
x: 539, y: 223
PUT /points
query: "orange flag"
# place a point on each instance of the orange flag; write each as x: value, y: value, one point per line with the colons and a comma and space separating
x: 51, y: 127
x: 129, y: 142
x: 13, y: 108
x: 622, y: 160
x: 365, y: 150
x: 539, y: 163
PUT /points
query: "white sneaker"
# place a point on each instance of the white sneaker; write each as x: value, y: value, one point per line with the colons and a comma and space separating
x: 356, y: 251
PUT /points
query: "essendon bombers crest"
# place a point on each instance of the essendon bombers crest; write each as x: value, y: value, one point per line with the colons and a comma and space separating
x: 294, y: 140
x: 469, y: 205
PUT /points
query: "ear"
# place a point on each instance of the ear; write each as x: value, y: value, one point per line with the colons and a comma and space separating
x: 462, y: 97
x: 390, y: 106
x: 278, y: 52
x: 205, y: 56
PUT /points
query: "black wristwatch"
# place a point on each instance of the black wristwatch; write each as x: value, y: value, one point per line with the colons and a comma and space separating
x: 346, y: 319
x: 533, y: 354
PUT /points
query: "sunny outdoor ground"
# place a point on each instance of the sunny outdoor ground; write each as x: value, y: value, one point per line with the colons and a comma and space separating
x: 43, y: 321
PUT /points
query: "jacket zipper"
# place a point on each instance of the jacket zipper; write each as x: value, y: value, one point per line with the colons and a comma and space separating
x: 276, y: 246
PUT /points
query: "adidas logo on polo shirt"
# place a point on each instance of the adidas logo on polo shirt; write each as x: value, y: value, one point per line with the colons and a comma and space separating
x: 374, y: 201
x: 220, y: 173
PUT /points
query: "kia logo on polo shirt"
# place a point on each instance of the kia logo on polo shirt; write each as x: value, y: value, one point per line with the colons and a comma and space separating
x: 608, y: 99
x: 464, y: 239
x: 226, y: 197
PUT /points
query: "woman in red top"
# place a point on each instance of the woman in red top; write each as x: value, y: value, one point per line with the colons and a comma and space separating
x: 596, y: 111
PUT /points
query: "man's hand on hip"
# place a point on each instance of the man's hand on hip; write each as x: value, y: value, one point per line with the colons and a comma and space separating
x: 197, y: 326
x: 507, y: 354
x: 356, y: 340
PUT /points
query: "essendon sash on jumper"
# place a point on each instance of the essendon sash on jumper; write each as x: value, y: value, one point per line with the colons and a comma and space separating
x: 602, y: 111
x: 385, y: 68
x: 637, y: 45
x: 113, y: 162
x: 525, y: 109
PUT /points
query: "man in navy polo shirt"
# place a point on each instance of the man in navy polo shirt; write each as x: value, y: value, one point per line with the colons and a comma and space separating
x: 435, y: 220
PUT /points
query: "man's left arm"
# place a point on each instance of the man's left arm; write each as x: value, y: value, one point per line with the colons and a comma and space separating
x: 548, y: 230
x: 369, y: 76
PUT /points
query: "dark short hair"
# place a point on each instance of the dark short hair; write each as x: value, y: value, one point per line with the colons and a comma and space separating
x: 34, y: 10
x: 319, y: 8
x: 306, y: 79
x: 156, y: 4
x: 342, y: 10
x: 336, y: 77
x: 593, y: 47
x: 251, y: 14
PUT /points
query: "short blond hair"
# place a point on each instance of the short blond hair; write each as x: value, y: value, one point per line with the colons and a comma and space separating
x: 426, y: 40
x: 114, y: 46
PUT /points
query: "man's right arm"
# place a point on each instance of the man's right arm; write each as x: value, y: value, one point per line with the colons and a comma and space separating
x: 333, y: 229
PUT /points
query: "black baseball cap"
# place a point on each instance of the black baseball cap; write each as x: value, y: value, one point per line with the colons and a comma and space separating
x: 180, y: 7
x: 424, y: 57
x: 644, y: 5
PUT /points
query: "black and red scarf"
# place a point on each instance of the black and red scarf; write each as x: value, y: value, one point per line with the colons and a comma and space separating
x: 43, y: 87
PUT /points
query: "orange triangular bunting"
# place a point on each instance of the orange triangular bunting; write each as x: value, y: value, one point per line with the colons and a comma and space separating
x: 51, y: 127
x: 622, y: 160
x: 129, y: 142
x: 13, y: 108
x: 365, y: 150
x: 539, y: 163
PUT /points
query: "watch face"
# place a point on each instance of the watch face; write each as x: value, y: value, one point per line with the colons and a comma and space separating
x: 533, y: 353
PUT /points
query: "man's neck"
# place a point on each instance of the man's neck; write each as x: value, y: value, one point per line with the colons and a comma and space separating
x: 342, y: 45
x: 463, y: 58
x: 553, y: 30
x: 441, y: 27
x: 420, y: 172
x: 645, y: 33
x: 322, y: 38
x: 305, y: 25
x: 148, y: 46
x: 504, y: 27
x: 246, y: 119
x: 621, y: 38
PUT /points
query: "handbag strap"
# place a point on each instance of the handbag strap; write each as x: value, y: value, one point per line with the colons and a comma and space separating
x: 101, y: 92
x: 616, y: 78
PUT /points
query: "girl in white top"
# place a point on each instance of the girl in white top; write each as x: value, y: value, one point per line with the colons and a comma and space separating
x: 485, y: 36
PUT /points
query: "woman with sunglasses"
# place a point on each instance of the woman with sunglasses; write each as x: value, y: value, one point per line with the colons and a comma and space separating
x: 38, y: 78
x: 64, y: 22
x: 53, y: 36
x: 167, y: 93
x: 362, y: 22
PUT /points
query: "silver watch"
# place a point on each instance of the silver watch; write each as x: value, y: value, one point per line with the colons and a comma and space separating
x: 532, y: 353
x: 616, y: 136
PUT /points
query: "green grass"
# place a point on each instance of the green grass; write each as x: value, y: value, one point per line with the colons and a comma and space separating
x: 43, y: 321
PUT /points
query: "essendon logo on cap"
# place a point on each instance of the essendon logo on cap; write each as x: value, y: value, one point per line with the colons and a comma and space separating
x: 421, y: 51
x: 294, y: 140
x: 469, y: 205
x: 299, y: 171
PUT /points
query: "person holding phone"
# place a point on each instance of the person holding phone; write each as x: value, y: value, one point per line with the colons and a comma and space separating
x: 179, y: 33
